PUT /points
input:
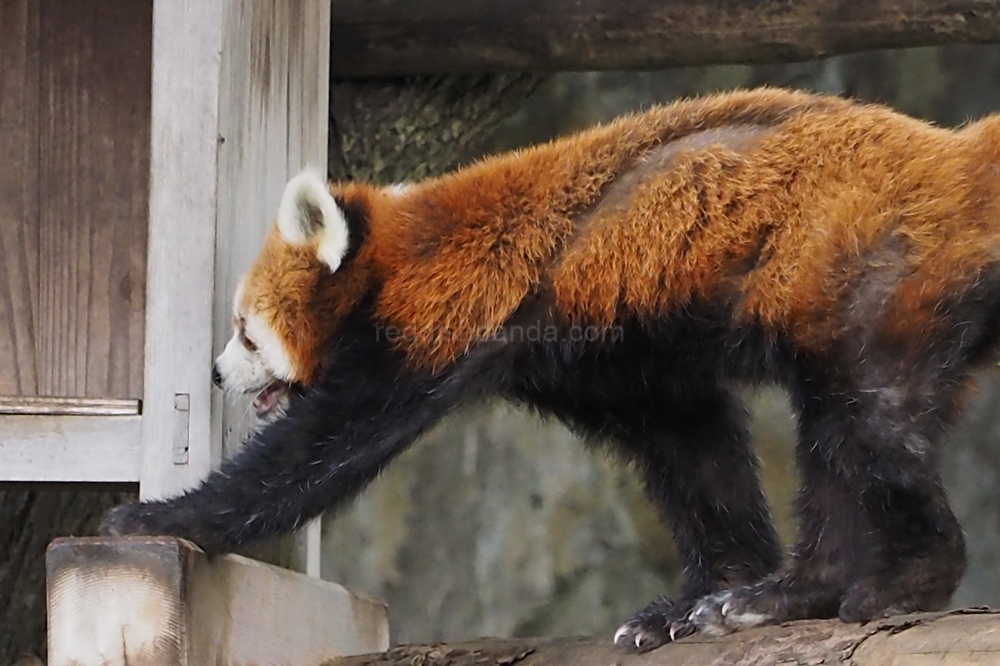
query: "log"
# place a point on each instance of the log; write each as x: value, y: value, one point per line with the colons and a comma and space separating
x: 372, y: 38
x: 163, y: 602
x: 969, y: 637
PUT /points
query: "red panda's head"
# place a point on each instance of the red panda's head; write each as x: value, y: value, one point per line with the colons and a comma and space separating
x: 287, y: 304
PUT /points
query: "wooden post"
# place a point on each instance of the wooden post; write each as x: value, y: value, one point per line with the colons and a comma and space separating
x: 273, y: 122
x: 162, y: 602
x: 240, y: 98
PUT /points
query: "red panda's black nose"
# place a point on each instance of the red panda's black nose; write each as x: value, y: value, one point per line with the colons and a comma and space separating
x: 216, y: 377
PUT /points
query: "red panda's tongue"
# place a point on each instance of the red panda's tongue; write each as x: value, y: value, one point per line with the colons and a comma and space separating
x: 268, y: 398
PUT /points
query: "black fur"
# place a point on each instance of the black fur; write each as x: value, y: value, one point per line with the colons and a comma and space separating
x: 876, y: 534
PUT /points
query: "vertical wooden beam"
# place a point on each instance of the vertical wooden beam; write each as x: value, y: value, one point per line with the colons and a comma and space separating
x: 240, y: 92
x: 162, y: 602
x: 187, y: 43
x: 273, y: 121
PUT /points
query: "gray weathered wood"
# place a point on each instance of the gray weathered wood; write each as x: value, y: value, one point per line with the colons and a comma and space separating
x: 19, y: 54
x: 68, y: 406
x: 273, y: 122
x: 961, y: 639
x: 74, y: 148
x: 187, y: 42
x: 393, y: 37
x: 93, y: 180
x: 161, y: 602
x: 240, y: 92
x: 69, y: 448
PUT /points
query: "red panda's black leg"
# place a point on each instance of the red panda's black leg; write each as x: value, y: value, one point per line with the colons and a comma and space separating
x: 876, y: 533
x: 366, y: 409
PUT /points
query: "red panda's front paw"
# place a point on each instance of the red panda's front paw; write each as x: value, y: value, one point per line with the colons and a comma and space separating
x: 129, y: 519
x: 661, y: 622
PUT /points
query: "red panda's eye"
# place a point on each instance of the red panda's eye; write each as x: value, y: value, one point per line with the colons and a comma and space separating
x: 247, y: 342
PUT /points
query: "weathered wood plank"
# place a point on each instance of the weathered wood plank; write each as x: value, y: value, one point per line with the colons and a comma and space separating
x: 273, y: 121
x: 961, y: 639
x: 162, y: 602
x: 239, y: 103
x: 18, y: 194
x: 69, y: 448
x: 394, y: 37
x: 183, y: 193
x: 93, y: 181
x: 68, y: 406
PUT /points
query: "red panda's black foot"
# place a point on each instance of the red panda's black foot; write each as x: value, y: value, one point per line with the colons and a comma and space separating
x: 777, y: 598
x: 126, y: 520
x: 743, y: 607
x: 661, y: 622
x: 926, y: 584
x: 154, y: 519
x: 129, y: 519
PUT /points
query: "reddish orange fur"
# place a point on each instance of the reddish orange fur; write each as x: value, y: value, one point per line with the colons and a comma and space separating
x: 829, y: 192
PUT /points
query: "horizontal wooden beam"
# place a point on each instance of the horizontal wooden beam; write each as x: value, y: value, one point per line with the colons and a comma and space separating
x: 68, y: 406
x: 162, y: 602
x: 371, y: 38
x: 102, y: 449
x: 963, y: 638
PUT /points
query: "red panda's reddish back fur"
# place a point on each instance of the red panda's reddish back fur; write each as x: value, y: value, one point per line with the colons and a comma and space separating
x: 847, y: 253
x: 798, y: 198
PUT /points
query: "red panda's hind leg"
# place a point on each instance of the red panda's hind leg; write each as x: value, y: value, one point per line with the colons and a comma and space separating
x: 876, y: 535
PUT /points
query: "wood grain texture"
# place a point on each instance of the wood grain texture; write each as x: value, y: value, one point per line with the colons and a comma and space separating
x: 93, y: 174
x: 395, y: 37
x: 31, y: 519
x: 183, y: 195
x: 64, y: 448
x: 240, y: 99
x: 19, y: 97
x: 74, y: 161
x: 273, y: 122
x: 68, y: 406
x: 962, y: 638
x: 162, y: 602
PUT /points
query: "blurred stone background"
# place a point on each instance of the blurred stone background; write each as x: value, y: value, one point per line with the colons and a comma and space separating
x: 498, y: 524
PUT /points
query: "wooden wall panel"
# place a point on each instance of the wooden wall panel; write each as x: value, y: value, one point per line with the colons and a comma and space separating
x: 18, y: 195
x: 93, y: 160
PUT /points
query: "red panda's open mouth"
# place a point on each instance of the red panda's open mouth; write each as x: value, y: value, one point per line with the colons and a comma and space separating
x: 268, y: 398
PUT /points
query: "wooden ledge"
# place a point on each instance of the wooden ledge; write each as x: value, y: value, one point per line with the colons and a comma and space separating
x: 397, y: 37
x: 957, y: 638
x: 163, y: 602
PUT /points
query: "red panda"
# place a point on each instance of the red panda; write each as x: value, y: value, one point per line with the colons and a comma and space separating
x: 623, y: 280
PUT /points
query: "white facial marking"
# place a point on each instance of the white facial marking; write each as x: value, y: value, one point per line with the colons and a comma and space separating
x: 269, y: 347
x: 246, y: 369
x: 308, y: 211
x: 241, y: 369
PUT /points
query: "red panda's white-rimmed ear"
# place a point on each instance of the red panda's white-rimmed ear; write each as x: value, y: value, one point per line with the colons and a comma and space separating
x: 308, y: 212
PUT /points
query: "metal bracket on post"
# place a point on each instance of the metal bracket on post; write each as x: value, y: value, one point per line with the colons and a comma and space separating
x: 182, y: 440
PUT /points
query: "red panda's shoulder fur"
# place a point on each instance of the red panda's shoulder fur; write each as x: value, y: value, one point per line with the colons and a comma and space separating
x: 780, y: 201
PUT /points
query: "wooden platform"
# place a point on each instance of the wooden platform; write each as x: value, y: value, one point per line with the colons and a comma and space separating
x: 959, y: 638
x: 163, y: 602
